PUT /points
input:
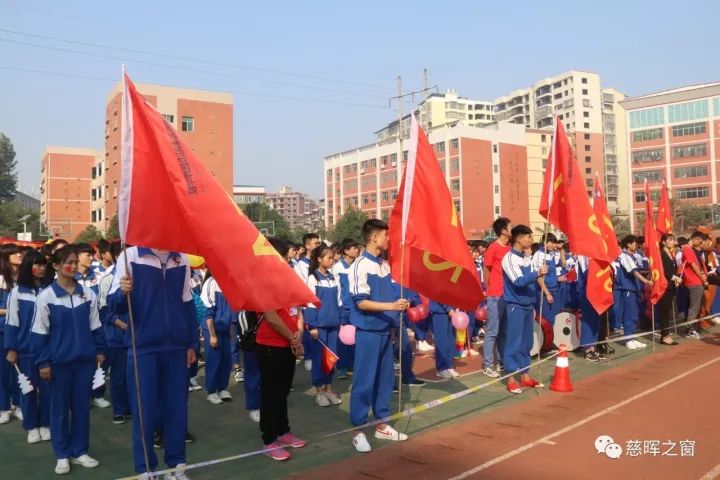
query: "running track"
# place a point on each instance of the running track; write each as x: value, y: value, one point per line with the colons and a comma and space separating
x: 671, y: 395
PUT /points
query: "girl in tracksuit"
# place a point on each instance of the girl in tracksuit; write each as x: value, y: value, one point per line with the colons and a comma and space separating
x: 444, y: 336
x: 246, y: 321
x: 590, y: 319
x: 519, y: 292
x: 67, y: 341
x: 625, y: 293
x: 350, y: 249
x: 35, y: 405
x: 10, y: 260
x: 218, y: 349
x: 323, y: 323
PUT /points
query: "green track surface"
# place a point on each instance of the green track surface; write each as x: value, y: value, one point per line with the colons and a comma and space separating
x: 225, y: 430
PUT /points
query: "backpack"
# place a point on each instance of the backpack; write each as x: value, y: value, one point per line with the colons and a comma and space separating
x: 248, y: 323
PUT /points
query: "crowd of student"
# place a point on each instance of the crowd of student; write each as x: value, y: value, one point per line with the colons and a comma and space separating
x: 67, y: 310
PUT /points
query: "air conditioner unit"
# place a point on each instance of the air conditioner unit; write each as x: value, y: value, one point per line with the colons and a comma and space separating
x: 394, y: 164
x: 362, y: 170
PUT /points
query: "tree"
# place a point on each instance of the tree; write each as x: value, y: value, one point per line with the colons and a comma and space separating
x: 8, y: 174
x: 10, y: 226
x: 261, y: 212
x: 621, y: 225
x: 113, y: 231
x: 689, y: 216
x: 89, y: 235
x: 349, y: 226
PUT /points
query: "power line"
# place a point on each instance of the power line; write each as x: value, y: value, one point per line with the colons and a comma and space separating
x: 196, y: 60
x: 236, y: 92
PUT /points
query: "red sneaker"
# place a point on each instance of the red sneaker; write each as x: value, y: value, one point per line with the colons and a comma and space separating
x: 291, y: 440
x: 276, y: 451
x: 514, y: 388
x: 532, y: 383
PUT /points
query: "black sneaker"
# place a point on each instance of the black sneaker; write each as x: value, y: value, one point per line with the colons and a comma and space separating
x: 189, y: 438
x: 605, y: 349
x: 415, y: 383
x: 157, y: 440
x: 592, y: 356
x: 118, y: 419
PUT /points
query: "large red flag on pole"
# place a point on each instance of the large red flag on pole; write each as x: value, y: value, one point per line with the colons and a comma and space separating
x: 664, y: 216
x: 653, y: 252
x: 600, y: 282
x: 170, y: 201
x: 426, y: 230
x: 564, y: 201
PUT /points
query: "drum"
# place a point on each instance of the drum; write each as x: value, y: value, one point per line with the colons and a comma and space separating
x: 567, y: 330
x: 542, y: 336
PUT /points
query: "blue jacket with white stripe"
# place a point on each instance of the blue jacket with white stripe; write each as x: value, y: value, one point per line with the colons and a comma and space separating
x: 519, y: 279
x: 370, y: 280
x: 20, y: 314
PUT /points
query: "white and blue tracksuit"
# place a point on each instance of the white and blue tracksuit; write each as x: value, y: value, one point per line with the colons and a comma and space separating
x: 91, y: 280
x: 552, y: 260
x: 374, y: 372
x: 519, y: 293
x: 326, y: 320
x: 165, y: 329
x: 302, y: 268
x: 340, y: 270
x: 20, y: 314
x: 9, y: 391
x: 218, y: 361
x: 251, y: 370
x: 116, y: 340
x: 444, y: 335
x: 67, y: 336
x: 590, y: 319
x: 625, y: 292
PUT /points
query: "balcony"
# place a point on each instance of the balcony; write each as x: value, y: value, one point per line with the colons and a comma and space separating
x: 610, y: 159
x: 611, y: 180
x: 545, y: 122
x: 612, y: 189
x: 543, y: 112
x: 608, y: 98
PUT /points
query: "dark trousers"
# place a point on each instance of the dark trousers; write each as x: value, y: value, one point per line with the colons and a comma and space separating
x: 277, y: 369
x: 664, y: 312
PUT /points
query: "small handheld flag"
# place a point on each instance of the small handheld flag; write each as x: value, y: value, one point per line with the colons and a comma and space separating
x: 24, y: 382
x: 98, y: 378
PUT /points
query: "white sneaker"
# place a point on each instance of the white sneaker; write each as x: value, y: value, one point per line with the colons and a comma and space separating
x: 424, y: 346
x: 178, y: 475
x: 254, y: 416
x: 389, y: 433
x: 333, y: 397
x: 640, y: 344
x: 361, y: 444
x: 454, y: 373
x: 239, y: 375
x: 45, y: 434
x: 194, y: 386
x: 225, y: 396
x: 100, y: 403
x: 34, y: 436
x: 632, y: 345
x: 321, y: 400
x: 308, y: 365
x: 17, y: 413
x: 214, y: 398
x: 85, y: 460
x: 444, y: 374
x: 5, y: 416
x: 62, y: 466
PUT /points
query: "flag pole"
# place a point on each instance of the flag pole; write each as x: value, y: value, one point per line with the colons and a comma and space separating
x: 401, y: 327
x: 652, y: 316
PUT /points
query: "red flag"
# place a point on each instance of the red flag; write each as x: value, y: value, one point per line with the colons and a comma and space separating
x: 664, y: 217
x: 426, y: 237
x: 599, y: 284
x: 564, y: 201
x: 653, y: 252
x: 329, y: 359
x: 170, y: 201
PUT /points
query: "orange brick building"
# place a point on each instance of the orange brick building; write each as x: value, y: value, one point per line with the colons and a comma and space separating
x: 204, y: 120
x: 65, y: 189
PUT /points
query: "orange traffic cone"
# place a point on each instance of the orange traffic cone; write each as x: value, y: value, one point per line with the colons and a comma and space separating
x: 561, y: 378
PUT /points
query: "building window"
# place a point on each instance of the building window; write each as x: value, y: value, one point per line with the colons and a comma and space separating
x: 688, y: 129
x: 454, y: 144
x: 649, y: 175
x: 589, y: 182
x: 365, y: 199
x: 440, y: 147
x: 647, y: 118
x: 588, y: 170
x: 457, y: 205
x: 363, y: 164
x: 689, y: 111
x: 583, y: 80
x: 584, y: 91
x: 393, y: 195
x: 654, y: 196
x: 497, y: 189
x: 648, y: 155
x: 543, y: 138
x: 385, y: 196
x: 586, y: 114
x: 495, y: 150
x: 497, y: 210
x: 169, y: 118
x: 588, y: 159
x: 455, y: 164
x: 329, y: 174
x: 587, y: 136
x: 188, y: 124
x: 685, y: 151
x: 649, y: 134
x: 587, y: 148
x: 586, y: 125
x: 495, y: 169
x: 687, y: 172
x: 455, y: 185
x: 692, y: 192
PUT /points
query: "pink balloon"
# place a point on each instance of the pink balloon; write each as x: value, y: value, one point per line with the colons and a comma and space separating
x: 424, y: 311
x: 460, y: 320
x: 414, y: 314
x: 347, y: 334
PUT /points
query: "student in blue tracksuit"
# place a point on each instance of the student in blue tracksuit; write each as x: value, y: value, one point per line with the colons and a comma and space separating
x: 401, y: 332
x: 590, y: 319
x: 247, y: 321
x: 552, y: 301
x: 310, y: 241
x: 625, y: 294
x: 116, y: 340
x: 323, y: 323
x: 373, y: 301
x: 10, y: 261
x: 165, y: 337
x: 68, y: 342
x: 216, y: 331
x: 519, y: 292
x: 349, y: 250
x: 444, y: 336
x: 20, y: 313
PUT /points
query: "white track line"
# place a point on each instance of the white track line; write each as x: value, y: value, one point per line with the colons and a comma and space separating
x: 712, y: 474
x: 582, y: 422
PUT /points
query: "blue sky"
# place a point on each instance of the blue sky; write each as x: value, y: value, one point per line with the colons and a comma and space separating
x: 482, y: 49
